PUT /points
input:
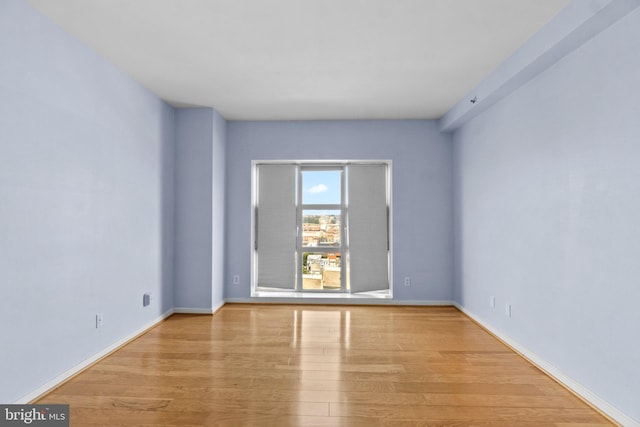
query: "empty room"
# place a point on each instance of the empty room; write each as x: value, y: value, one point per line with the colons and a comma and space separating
x: 320, y: 212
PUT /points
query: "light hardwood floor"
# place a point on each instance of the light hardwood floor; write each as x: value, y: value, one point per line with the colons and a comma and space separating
x: 286, y: 365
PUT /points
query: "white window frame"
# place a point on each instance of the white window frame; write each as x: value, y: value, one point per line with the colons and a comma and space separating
x: 320, y: 164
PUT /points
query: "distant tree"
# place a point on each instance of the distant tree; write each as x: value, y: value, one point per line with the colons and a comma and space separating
x: 312, y: 219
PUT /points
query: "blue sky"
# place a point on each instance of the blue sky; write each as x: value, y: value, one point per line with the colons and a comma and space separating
x: 320, y: 187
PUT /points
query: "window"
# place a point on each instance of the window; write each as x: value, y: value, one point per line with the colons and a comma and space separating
x: 321, y: 215
x: 321, y: 227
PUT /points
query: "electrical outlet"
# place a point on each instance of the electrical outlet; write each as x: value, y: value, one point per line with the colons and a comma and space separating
x: 236, y: 279
x: 146, y: 299
x: 99, y: 320
x: 407, y: 281
x: 492, y: 301
x: 507, y: 310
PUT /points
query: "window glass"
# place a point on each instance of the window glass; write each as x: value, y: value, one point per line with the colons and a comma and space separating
x: 321, y: 228
x: 321, y: 187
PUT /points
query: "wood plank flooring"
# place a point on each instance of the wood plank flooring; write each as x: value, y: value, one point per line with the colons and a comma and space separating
x: 286, y: 365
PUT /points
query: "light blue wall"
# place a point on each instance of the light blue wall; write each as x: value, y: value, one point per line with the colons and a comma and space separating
x: 547, y: 214
x: 86, y: 202
x: 422, y: 191
x: 194, y: 151
x: 199, y: 183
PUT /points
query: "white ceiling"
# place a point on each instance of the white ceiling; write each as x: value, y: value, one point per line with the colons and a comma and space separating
x: 306, y: 59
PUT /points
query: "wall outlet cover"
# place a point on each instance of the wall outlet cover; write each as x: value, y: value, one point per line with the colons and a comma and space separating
x: 507, y: 310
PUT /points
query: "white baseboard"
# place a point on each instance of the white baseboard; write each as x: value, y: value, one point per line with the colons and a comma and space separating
x: 336, y: 301
x: 590, y: 397
x: 190, y: 310
x: 50, y: 385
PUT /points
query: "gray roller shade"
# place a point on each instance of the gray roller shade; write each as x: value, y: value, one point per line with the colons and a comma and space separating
x: 276, y: 226
x: 368, y: 227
